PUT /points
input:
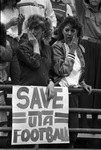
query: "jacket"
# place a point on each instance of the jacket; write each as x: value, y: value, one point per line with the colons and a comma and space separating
x: 62, y: 65
x: 35, y: 68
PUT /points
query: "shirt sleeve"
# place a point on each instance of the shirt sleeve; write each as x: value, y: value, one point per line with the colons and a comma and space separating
x: 68, y: 11
x: 28, y: 57
x: 50, y: 13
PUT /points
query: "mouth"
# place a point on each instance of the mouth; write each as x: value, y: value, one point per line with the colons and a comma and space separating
x: 69, y: 39
x: 94, y: 2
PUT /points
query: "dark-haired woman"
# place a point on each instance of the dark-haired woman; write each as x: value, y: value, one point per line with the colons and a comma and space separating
x: 69, y: 65
x: 89, y: 13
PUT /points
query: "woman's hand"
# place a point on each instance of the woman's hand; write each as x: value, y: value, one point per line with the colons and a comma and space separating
x: 32, y: 38
x: 50, y: 91
x: 74, y: 43
x: 88, y: 88
x: 34, y: 42
x: 13, y: 21
x: 21, y: 19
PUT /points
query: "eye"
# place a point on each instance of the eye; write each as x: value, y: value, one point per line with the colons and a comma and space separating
x: 36, y: 28
x: 67, y: 30
x: 72, y: 30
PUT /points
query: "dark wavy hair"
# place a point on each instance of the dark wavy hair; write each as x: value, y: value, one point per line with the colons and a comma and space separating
x: 75, y: 24
x: 87, y: 1
x: 2, y: 35
x: 44, y: 23
x: 5, y: 3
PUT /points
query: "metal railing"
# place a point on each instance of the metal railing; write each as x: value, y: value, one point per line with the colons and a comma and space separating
x: 73, y: 110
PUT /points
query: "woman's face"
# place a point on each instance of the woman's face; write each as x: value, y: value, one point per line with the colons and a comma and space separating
x: 94, y: 3
x: 37, y: 32
x: 68, y: 33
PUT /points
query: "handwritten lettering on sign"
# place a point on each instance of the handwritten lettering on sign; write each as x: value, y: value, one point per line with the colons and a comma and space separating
x: 36, y: 120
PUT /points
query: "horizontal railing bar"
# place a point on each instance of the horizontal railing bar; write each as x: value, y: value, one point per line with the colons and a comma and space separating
x: 79, y: 110
x: 85, y: 130
x: 77, y: 130
x: 85, y: 110
x: 7, y: 129
x: 3, y: 87
x: 89, y: 136
x: 49, y: 149
x: 5, y: 108
x: 81, y: 90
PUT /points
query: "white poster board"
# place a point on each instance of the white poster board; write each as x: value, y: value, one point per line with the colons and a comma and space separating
x: 36, y: 120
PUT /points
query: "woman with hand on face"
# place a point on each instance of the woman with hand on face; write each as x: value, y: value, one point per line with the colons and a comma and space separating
x: 35, y: 55
x: 69, y: 65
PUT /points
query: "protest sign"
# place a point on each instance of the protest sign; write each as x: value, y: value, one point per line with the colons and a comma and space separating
x: 35, y: 120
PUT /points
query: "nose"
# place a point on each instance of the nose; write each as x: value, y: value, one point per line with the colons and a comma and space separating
x: 34, y: 32
x: 69, y: 32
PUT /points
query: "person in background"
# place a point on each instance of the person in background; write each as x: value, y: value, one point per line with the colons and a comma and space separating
x: 12, y: 20
x: 69, y: 65
x: 5, y: 58
x: 71, y: 3
x: 40, y: 7
x: 69, y: 10
x: 62, y: 9
x: 89, y: 14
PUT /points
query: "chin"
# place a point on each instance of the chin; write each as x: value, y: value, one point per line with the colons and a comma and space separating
x: 68, y: 42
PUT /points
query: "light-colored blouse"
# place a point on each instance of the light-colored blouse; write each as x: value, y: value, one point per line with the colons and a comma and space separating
x: 73, y: 78
x: 6, y: 16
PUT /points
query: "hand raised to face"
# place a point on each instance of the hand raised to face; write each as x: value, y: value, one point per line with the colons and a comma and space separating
x: 32, y: 38
x: 74, y: 43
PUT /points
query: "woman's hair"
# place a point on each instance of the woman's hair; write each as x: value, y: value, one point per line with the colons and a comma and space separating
x: 39, y: 21
x: 6, y: 2
x: 2, y: 35
x: 75, y: 24
x: 87, y: 1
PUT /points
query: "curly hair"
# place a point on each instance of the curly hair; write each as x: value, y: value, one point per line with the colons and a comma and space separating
x: 75, y: 24
x: 87, y: 1
x: 44, y: 23
x: 6, y: 2
x: 2, y: 35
